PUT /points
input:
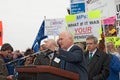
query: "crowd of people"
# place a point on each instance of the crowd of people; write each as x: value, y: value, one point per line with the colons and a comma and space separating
x: 84, y: 58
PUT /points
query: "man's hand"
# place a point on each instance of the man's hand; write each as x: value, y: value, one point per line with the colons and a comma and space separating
x: 50, y: 44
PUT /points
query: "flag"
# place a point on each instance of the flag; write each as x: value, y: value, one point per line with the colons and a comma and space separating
x: 40, y: 36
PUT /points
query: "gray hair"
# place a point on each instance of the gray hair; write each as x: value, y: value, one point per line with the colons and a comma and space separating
x: 93, y: 38
x: 53, y: 42
x: 68, y: 34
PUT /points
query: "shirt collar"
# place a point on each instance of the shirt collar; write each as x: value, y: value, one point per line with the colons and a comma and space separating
x: 93, y: 52
x: 69, y: 47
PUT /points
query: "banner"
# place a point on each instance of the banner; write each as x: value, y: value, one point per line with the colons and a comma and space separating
x: 117, y: 2
x: 107, y: 7
x: 77, y: 6
x: 54, y: 26
x: 118, y: 27
x: 114, y: 40
x: 83, y: 28
x: 109, y: 27
x: 94, y: 14
x: 1, y: 33
x: 72, y: 18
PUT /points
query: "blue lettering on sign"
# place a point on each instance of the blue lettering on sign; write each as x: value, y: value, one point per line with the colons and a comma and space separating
x: 81, y: 17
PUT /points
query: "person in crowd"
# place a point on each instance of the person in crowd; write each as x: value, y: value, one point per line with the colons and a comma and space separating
x: 98, y: 67
x: 101, y: 44
x: 6, y: 49
x: 12, y: 61
x: 10, y: 66
x: 118, y: 50
x: 111, y: 49
x: 42, y: 47
x: 17, y: 54
x: 27, y: 60
x: 82, y: 45
x: 16, y: 57
x: 70, y: 56
x: 47, y: 57
x: 30, y: 59
x: 114, y: 67
x: 114, y: 63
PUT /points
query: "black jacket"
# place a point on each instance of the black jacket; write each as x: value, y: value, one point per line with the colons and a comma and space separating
x: 98, y: 68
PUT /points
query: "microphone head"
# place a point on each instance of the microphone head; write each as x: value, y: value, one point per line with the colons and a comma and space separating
x: 48, y: 52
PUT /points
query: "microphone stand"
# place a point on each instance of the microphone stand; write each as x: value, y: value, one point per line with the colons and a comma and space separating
x: 14, y: 63
x: 18, y: 59
x: 15, y: 60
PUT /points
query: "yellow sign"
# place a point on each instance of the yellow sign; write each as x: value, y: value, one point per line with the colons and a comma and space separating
x: 94, y: 14
x: 115, y: 40
x: 70, y: 18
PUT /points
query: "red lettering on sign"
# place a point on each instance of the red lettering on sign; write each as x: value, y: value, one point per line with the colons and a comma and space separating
x: 83, y: 30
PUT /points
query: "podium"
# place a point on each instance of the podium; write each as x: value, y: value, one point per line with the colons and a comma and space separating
x: 44, y: 73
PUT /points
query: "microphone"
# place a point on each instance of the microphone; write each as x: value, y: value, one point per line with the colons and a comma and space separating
x: 40, y: 52
x: 48, y: 52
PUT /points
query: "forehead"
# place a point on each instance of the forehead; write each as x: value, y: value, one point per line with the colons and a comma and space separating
x: 8, y: 50
x: 90, y: 40
x: 46, y: 41
x: 61, y: 36
x: 109, y: 44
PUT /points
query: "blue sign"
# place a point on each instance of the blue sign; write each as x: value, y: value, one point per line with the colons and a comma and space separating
x: 76, y: 1
x: 77, y: 8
